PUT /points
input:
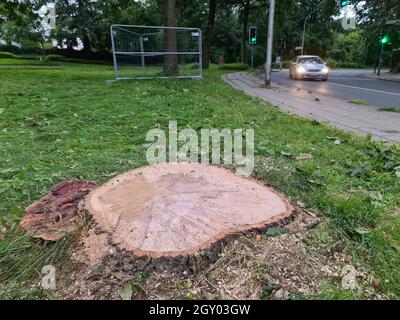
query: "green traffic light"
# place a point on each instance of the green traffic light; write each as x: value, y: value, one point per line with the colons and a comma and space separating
x: 344, y: 3
x: 253, y: 39
x: 385, y: 39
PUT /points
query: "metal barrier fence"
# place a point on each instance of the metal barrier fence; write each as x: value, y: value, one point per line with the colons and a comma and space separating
x: 148, y: 52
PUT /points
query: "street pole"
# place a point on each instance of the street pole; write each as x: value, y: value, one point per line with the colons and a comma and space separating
x: 252, y: 56
x: 380, y: 60
x: 142, y: 51
x: 304, y: 35
x: 268, y: 67
x: 376, y: 62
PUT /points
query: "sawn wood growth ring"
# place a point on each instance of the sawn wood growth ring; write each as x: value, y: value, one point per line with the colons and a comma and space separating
x: 179, y: 209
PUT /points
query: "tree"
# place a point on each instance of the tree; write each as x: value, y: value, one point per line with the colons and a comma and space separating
x: 35, y: 36
x: 170, y: 60
x: 212, y: 8
x: 17, y: 11
x: 22, y: 23
x: 372, y: 18
x: 78, y: 19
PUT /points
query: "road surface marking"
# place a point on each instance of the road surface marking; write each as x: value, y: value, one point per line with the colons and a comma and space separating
x: 365, y: 89
x: 344, y: 78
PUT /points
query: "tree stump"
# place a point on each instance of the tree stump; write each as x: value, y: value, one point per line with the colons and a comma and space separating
x: 170, y: 210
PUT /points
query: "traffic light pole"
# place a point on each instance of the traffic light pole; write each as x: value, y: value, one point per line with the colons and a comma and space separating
x: 380, y: 59
x: 252, y: 42
x: 268, y: 66
x: 252, y: 56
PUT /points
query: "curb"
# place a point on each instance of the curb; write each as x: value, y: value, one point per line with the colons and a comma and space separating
x: 372, y: 76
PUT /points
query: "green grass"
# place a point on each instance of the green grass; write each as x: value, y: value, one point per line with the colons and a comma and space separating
x: 9, y: 61
x: 359, y: 102
x: 129, y: 71
x: 62, y: 124
x: 389, y: 109
x: 22, y: 259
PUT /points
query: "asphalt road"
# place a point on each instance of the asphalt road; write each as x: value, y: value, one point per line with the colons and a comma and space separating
x: 348, y: 85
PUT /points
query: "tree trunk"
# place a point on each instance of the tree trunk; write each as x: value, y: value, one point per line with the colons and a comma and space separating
x: 43, y: 52
x: 86, y: 44
x: 212, y: 4
x: 170, y: 45
x: 246, y: 9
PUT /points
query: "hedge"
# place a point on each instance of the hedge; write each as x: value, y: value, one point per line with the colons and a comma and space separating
x: 233, y: 66
x: 395, y: 61
x: 7, y: 55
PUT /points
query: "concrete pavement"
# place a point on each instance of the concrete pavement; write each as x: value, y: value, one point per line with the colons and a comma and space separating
x: 362, y: 120
x: 386, y: 75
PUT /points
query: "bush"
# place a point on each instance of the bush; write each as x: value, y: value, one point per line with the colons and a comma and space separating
x: 28, y: 57
x: 259, y: 56
x: 82, y: 55
x: 192, y: 66
x: 332, y: 63
x: 10, y: 48
x: 337, y: 54
x: 395, y: 61
x: 349, y: 65
x: 55, y: 57
x: 76, y: 60
x: 286, y: 64
x: 7, y: 55
x: 60, y: 58
x: 233, y: 66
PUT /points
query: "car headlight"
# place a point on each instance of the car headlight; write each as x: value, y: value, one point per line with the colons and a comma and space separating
x: 301, y: 69
x: 325, y: 70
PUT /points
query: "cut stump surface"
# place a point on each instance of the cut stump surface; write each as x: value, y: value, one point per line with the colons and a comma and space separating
x: 180, y: 209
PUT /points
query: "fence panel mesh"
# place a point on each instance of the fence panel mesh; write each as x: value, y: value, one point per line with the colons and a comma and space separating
x: 144, y: 52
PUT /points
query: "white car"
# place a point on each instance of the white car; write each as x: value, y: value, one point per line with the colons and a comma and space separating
x: 312, y: 67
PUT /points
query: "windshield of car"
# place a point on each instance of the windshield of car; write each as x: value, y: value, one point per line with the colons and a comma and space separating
x: 310, y: 60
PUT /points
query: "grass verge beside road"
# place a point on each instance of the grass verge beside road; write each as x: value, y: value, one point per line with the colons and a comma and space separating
x: 63, y: 124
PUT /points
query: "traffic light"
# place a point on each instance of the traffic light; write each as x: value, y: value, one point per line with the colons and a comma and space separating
x: 252, y: 35
x: 343, y: 3
x: 385, y: 39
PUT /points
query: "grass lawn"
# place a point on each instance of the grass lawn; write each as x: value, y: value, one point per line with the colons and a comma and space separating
x: 359, y: 102
x: 62, y: 124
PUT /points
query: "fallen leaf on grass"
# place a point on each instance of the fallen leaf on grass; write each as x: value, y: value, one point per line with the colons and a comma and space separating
x: 362, y: 230
x: 361, y: 171
x: 275, y: 231
x: 303, y: 157
x: 286, y: 154
x: 269, y: 289
x: 126, y: 292
x: 313, y: 224
x: 301, y: 204
x: 336, y: 140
